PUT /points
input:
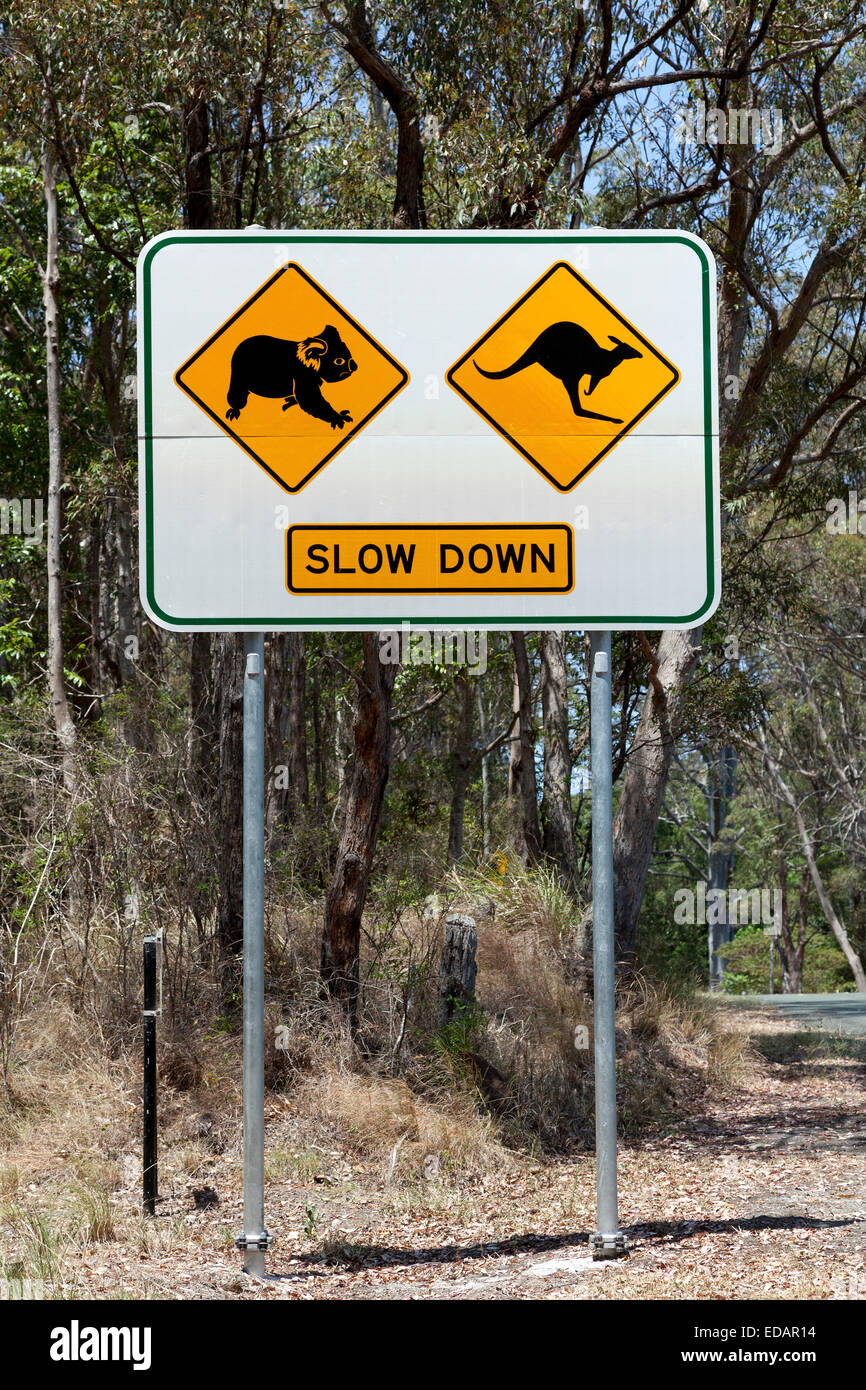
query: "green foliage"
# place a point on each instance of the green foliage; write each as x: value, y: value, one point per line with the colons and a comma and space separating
x: 458, y: 1038
x: 747, y: 965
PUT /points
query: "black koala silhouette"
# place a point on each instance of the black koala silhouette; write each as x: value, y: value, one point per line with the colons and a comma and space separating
x: 296, y: 371
x: 570, y: 353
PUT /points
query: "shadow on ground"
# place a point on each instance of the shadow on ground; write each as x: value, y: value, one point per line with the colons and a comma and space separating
x: 647, y: 1233
x: 807, y: 1047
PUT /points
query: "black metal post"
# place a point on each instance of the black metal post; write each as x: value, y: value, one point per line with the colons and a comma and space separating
x: 149, y: 1015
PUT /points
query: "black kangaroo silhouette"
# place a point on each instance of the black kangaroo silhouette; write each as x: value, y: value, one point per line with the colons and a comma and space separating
x: 295, y: 370
x: 569, y: 353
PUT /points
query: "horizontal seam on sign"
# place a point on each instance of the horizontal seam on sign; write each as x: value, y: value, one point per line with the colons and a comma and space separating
x: 482, y: 434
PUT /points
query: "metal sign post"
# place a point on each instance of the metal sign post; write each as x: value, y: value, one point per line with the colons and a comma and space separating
x: 149, y: 1013
x: 255, y: 1240
x: 608, y: 1242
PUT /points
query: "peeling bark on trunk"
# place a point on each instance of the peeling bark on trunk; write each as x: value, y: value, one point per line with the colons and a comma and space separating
x: 461, y: 766
x: 644, y: 784
x: 341, y: 936
x: 63, y: 725
x: 521, y: 771
x: 556, y: 817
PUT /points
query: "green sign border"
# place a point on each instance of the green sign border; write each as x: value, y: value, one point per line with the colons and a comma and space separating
x: 345, y: 623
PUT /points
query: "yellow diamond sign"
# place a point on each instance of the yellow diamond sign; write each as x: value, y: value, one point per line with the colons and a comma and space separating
x: 563, y: 376
x: 291, y: 377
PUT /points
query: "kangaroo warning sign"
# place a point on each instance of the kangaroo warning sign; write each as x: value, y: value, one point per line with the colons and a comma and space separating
x: 476, y: 429
x: 564, y: 368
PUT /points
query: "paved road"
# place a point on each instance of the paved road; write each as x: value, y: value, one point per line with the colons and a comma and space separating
x: 844, y: 1013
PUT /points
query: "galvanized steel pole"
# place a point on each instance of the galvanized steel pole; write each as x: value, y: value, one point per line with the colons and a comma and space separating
x: 608, y: 1242
x: 255, y: 1240
x: 149, y: 1012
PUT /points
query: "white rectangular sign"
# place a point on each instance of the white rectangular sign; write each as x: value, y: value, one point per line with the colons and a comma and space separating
x: 470, y: 429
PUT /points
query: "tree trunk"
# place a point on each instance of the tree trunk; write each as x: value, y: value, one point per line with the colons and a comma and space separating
x: 227, y: 676
x: 833, y: 920
x: 342, y: 760
x: 360, y: 39
x: 720, y: 789
x: 461, y: 766
x: 318, y: 746
x: 198, y: 215
x: 556, y: 817
x: 202, y: 726
x: 457, y: 969
x: 485, y: 779
x: 195, y: 130
x: 276, y: 723
x: 64, y: 727
x: 300, y: 782
x: 119, y: 619
x: 341, y: 936
x: 645, y: 779
x: 836, y: 925
x: 792, y: 955
x: 521, y: 771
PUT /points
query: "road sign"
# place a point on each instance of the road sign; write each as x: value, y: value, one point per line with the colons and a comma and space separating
x: 547, y: 355
x: 248, y: 375
x: 429, y: 559
x: 355, y: 430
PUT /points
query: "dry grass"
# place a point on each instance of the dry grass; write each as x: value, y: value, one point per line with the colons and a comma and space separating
x: 427, y: 1126
x: 378, y: 1118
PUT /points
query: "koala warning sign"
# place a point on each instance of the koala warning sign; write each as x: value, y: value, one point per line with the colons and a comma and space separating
x: 291, y: 402
x: 577, y: 376
x: 360, y: 429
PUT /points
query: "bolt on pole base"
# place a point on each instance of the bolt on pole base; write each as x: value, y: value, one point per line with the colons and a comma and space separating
x: 253, y: 1248
x: 608, y: 1246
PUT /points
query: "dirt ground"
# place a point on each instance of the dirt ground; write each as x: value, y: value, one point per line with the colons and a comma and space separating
x: 759, y: 1194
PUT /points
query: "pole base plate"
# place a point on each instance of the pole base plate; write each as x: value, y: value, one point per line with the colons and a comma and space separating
x: 608, y: 1245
